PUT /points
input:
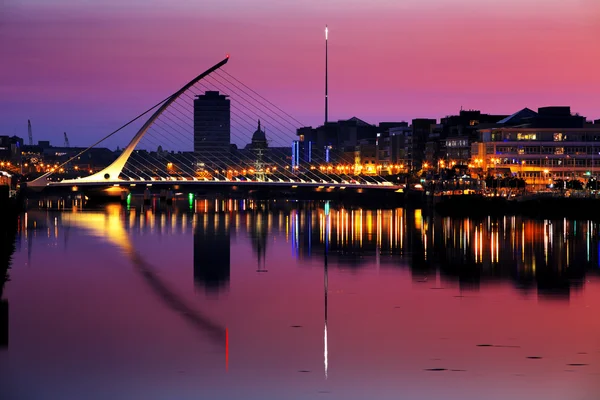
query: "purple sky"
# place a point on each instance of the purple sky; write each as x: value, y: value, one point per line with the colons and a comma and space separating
x: 84, y: 68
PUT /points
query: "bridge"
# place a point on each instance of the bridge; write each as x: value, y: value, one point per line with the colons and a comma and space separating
x: 172, y: 150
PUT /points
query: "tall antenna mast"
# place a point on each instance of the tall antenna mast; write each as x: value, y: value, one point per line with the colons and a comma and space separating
x: 326, y: 98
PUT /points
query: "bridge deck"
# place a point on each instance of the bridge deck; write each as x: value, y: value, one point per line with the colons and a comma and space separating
x: 225, y: 183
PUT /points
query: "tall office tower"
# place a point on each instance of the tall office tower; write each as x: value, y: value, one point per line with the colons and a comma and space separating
x: 212, y: 128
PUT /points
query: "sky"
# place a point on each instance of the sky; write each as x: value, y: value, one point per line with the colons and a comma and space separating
x: 86, y: 68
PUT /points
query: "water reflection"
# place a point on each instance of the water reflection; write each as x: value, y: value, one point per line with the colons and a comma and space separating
x: 550, y: 256
x: 339, y: 294
x: 109, y: 225
x: 212, y: 261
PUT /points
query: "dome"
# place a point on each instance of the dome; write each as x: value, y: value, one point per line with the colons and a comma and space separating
x: 259, y: 135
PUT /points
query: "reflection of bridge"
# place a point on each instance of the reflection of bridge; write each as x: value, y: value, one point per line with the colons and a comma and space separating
x: 173, y: 129
x: 110, y: 226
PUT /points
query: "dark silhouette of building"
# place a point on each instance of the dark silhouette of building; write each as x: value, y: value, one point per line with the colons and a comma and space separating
x: 10, y: 148
x: 258, y: 149
x: 259, y: 139
x: 327, y: 143
x: 460, y: 131
x: 421, y: 129
x: 212, y: 259
x: 212, y: 127
x: 388, y: 146
x: 259, y: 156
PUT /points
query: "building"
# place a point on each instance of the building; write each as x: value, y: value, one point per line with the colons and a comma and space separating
x: 540, y: 147
x: 389, y: 147
x: 365, y: 157
x: 435, y: 148
x: 328, y: 143
x: 261, y: 158
x: 421, y: 130
x: 257, y: 149
x: 458, y: 150
x: 10, y: 148
x: 401, y: 147
x: 212, y: 128
x: 460, y: 131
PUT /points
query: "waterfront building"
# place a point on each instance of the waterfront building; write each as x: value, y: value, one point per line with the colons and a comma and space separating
x: 435, y: 148
x: 212, y: 128
x: 401, y: 147
x: 540, y: 147
x: 460, y: 131
x: 328, y: 143
x: 421, y: 130
x: 388, y: 147
x: 365, y: 157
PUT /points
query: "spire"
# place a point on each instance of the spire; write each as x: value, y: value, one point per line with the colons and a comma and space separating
x: 259, y: 124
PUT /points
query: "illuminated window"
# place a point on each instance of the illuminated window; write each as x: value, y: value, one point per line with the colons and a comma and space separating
x: 558, y: 137
x: 526, y: 136
x: 559, y: 150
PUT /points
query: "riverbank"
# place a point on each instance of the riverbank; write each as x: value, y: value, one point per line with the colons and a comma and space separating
x: 533, y: 207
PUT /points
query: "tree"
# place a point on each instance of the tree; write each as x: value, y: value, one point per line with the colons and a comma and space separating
x: 592, y: 184
x: 574, y: 184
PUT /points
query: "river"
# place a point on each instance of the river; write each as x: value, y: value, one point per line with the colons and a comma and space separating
x: 242, y: 299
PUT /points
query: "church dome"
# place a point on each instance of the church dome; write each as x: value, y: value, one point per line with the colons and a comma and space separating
x: 259, y: 135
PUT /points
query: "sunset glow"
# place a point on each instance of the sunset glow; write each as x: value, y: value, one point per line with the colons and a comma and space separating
x: 86, y: 68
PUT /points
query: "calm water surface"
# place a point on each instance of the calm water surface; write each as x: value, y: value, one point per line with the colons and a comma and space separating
x: 286, y: 300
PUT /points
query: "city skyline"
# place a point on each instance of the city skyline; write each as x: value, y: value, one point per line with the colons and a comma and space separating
x: 66, y: 74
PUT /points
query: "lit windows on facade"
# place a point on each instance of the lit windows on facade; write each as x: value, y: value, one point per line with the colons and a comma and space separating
x: 527, y: 152
x: 526, y: 136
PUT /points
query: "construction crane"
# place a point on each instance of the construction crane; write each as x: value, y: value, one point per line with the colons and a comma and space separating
x: 30, y: 134
x: 66, y: 140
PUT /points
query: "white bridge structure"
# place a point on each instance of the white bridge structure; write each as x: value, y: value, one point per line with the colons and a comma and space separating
x: 161, y: 153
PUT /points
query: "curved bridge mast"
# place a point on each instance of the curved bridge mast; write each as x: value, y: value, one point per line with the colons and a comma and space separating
x: 113, y: 171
